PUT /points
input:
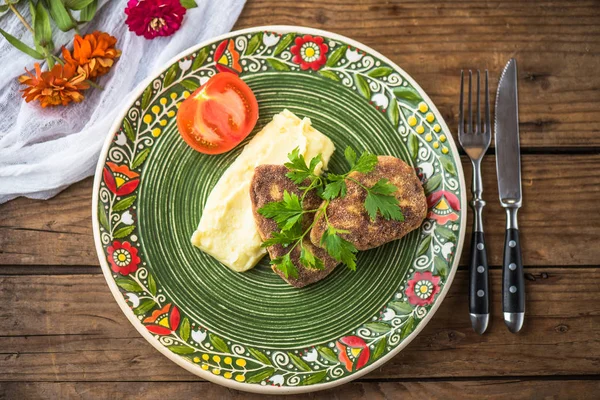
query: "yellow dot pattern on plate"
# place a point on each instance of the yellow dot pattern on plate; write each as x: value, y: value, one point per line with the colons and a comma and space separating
x: 412, y: 121
x: 429, y: 117
x: 163, y: 122
x: 163, y: 101
x: 205, y: 357
x: 227, y: 375
x: 227, y: 360
x: 428, y: 137
x: 437, y: 128
x: 240, y: 378
x: 445, y: 150
x: 240, y: 362
x: 205, y: 367
x: 155, y: 109
x: 216, y: 359
x: 442, y: 138
x: 420, y: 129
x: 216, y: 371
x: 147, y: 118
x: 436, y: 145
x: 173, y: 96
x: 156, y: 132
x: 171, y: 114
x: 196, y: 360
x: 423, y: 107
x: 186, y: 94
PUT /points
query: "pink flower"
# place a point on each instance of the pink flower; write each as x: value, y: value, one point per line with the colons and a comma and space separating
x: 422, y: 288
x: 152, y: 18
x: 443, y: 206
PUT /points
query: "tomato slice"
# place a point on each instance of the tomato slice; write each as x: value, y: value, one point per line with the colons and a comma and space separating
x: 218, y: 115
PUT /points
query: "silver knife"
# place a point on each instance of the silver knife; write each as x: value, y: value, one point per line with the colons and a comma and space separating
x: 508, y: 167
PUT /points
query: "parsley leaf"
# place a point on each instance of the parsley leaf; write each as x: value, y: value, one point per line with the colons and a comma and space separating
x: 298, y: 170
x: 350, y: 155
x: 365, y: 163
x: 287, y: 212
x: 335, y: 189
x: 284, y: 238
x: 338, y: 247
x: 285, y: 265
x: 308, y: 259
x: 380, y: 198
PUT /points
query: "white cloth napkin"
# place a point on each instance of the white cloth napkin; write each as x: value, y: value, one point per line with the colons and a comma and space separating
x: 42, y: 151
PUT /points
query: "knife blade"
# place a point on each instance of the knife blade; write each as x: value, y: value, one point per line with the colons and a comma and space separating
x: 508, y: 168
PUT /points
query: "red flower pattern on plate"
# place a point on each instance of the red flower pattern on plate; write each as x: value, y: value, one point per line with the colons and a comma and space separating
x: 164, y: 321
x: 123, y: 257
x: 443, y: 206
x: 309, y: 52
x: 120, y: 179
x: 227, y: 58
x: 422, y: 288
x: 354, y: 352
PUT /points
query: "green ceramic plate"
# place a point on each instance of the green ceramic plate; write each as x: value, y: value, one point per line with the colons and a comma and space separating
x: 251, y: 331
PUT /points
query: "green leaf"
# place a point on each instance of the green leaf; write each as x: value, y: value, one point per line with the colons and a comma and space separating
x: 335, y: 189
x: 378, y: 327
x: 413, y: 145
x: 285, y: 265
x: 338, y: 247
x: 77, y: 4
x: 102, y: 217
x: 184, y: 330
x: 363, y: 86
x: 311, y: 379
x: 32, y: 12
x: 277, y: 65
x: 254, y: 43
x: 440, y: 266
x: 145, y: 306
x: 448, y: 164
x: 408, y: 327
x: 400, y: 307
x: 128, y: 284
x: 182, y: 349
x: 42, y: 29
x: 4, y: 8
x: 408, y: 94
x: 393, y: 113
x: 329, y: 75
x: 147, y: 96
x: 336, y: 56
x: 140, y: 158
x: 125, y: 231
x: 432, y: 184
x: 190, y: 84
x: 327, y: 354
x: 284, y: 43
x: 61, y: 17
x: 259, y: 376
x: 379, y: 348
x: 21, y: 46
x: 128, y: 130
x: 298, y: 362
x: 188, y: 4
x: 218, y: 343
x: 151, y: 285
x: 200, y: 58
x: 124, y: 204
x: 350, y: 156
x: 445, y: 233
x: 380, y: 72
x: 260, y: 356
x: 171, y: 74
x: 308, y: 259
x: 287, y: 212
x: 366, y: 162
x: 424, y: 246
x: 380, y: 199
x: 87, y: 13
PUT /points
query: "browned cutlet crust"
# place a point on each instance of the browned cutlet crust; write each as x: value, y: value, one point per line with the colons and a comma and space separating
x: 268, y: 185
x: 349, y: 212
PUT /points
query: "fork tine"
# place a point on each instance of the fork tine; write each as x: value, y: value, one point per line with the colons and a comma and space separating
x: 460, y: 104
x: 478, y: 129
x: 488, y: 124
x: 470, y: 120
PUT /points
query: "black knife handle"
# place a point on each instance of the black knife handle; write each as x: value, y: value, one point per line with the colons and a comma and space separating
x: 513, y: 280
x: 479, y: 302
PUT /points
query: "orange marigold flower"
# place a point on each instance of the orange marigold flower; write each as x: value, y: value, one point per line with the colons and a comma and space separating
x: 93, y: 54
x: 61, y: 85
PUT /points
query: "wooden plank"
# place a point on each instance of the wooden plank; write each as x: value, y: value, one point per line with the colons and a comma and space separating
x: 513, y: 389
x: 69, y: 328
x: 560, y: 191
x: 556, y: 43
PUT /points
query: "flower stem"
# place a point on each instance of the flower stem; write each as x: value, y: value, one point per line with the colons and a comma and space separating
x: 75, y: 27
x: 18, y: 14
x: 94, y: 84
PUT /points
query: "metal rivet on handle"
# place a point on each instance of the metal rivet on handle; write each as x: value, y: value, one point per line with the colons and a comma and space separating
x: 480, y: 293
x: 512, y: 266
x: 479, y: 246
x: 513, y: 289
x: 512, y: 243
x: 480, y: 269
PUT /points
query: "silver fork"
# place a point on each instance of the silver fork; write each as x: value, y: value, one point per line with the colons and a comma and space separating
x: 475, y: 140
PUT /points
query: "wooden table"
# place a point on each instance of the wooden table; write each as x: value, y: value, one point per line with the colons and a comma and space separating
x: 62, y: 335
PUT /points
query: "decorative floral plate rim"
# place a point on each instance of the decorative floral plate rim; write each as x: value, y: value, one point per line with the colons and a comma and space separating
x: 173, y: 314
